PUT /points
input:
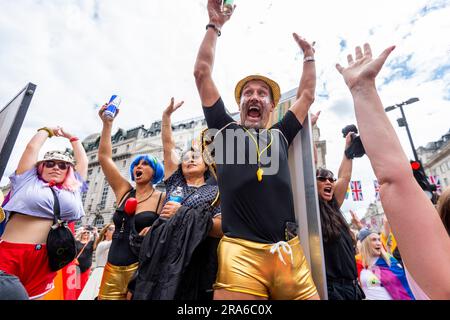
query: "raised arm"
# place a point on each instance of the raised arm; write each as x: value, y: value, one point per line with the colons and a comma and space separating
x: 344, y: 174
x: 171, y: 159
x: 205, y: 57
x: 78, y: 152
x: 413, y: 219
x: 117, y: 182
x: 31, y: 153
x: 307, y: 87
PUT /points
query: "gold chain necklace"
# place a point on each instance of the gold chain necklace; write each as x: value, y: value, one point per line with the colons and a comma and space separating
x: 260, y: 171
x: 147, y: 197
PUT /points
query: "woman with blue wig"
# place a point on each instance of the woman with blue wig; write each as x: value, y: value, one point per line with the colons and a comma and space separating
x: 137, y: 208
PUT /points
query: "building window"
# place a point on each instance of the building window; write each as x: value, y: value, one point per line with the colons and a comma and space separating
x: 128, y: 147
x: 104, y: 196
x: 89, y: 208
x: 93, y: 157
x: 89, y: 172
x: 114, y: 151
x: 124, y: 163
x: 99, y: 221
x: 98, y: 170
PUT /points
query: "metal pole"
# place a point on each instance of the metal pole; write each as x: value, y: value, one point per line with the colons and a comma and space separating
x: 306, y: 204
x: 409, y: 133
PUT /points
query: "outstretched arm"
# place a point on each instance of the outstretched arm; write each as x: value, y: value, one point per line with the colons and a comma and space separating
x: 171, y: 159
x: 413, y: 219
x: 30, y: 155
x: 344, y: 174
x: 307, y: 87
x: 117, y: 182
x: 205, y: 57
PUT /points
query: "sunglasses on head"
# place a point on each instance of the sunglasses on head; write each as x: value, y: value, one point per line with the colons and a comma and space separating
x: 191, y: 155
x: 111, y: 229
x: 323, y: 179
x: 61, y: 165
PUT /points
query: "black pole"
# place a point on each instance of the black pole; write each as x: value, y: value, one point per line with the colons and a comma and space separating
x: 409, y: 133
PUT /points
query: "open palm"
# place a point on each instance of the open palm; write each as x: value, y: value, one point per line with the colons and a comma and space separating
x: 364, y: 68
x: 173, y: 106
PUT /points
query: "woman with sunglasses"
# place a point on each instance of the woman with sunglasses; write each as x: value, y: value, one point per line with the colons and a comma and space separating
x: 101, y: 247
x: 30, y: 208
x: 85, y: 240
x: 338, y: 241
x: 137, y: 208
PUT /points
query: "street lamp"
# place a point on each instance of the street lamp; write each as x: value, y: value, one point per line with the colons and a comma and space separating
x: 402, y: 121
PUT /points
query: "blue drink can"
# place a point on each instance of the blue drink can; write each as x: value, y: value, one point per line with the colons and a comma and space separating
x: 113, y: 105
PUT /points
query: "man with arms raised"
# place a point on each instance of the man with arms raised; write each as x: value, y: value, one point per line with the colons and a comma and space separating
x: 260, y: 256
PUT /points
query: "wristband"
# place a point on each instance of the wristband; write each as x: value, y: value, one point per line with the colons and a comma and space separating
x: 73, y: 139
x: 210, y: 25
x: 308, y: 58
x: 49, y: 131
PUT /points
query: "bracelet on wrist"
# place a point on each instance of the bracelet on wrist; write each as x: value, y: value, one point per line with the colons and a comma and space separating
x: 49, y: 131
x: 211, y: 25
x: 309, y: 59
x: 73, y: 139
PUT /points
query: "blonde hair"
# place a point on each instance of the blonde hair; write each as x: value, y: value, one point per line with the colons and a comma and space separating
x: 443, y: 207
x: 79, y: 233
x: 366, y: 252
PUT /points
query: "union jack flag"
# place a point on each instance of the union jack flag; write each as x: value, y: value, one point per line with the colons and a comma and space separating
x: 377, y: 189
x: 435, y: 180
x: 356, y: 190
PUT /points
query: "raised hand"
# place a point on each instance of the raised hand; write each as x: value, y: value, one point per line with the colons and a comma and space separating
x: 173, y: 106
x: 102, y: 116
x: 355, y: 220
x: 215, y: 13
x: 314, y: 118
x: 62, y: 133
x: 56, y: 130
x: 364, y: 68
x: 307, y: 48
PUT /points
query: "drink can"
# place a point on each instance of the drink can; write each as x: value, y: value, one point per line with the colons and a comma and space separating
x: 227, y: 7
x: 113, y: 105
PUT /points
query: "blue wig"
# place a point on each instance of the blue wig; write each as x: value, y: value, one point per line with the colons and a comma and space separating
x: 156, y: 165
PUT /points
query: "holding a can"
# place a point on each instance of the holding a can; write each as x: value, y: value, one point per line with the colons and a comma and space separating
x: 227, y: 7
x: 113, y: 106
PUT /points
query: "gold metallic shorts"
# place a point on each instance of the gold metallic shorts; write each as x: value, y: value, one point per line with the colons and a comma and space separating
x: 274, y: 271
x: 115, y: 280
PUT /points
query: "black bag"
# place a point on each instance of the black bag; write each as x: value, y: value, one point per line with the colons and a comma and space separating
x: 61, y: 248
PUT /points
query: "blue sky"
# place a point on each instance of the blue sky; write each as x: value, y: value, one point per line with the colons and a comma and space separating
x: 80, y: 52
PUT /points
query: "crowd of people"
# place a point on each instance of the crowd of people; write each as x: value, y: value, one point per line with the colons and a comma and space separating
x: 223, y: 228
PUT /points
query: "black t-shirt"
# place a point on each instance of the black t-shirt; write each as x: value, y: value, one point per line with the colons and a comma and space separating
x: 253, y: 210
x: 340, y: 260
x: 85, y: 258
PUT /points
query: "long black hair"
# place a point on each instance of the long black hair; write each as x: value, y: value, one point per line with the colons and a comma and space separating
x: 331, y: 218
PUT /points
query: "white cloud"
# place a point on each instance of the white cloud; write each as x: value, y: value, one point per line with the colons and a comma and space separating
x: 80, y: 52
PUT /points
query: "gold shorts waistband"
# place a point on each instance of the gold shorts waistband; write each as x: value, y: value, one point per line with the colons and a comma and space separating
x: 115, y: 281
